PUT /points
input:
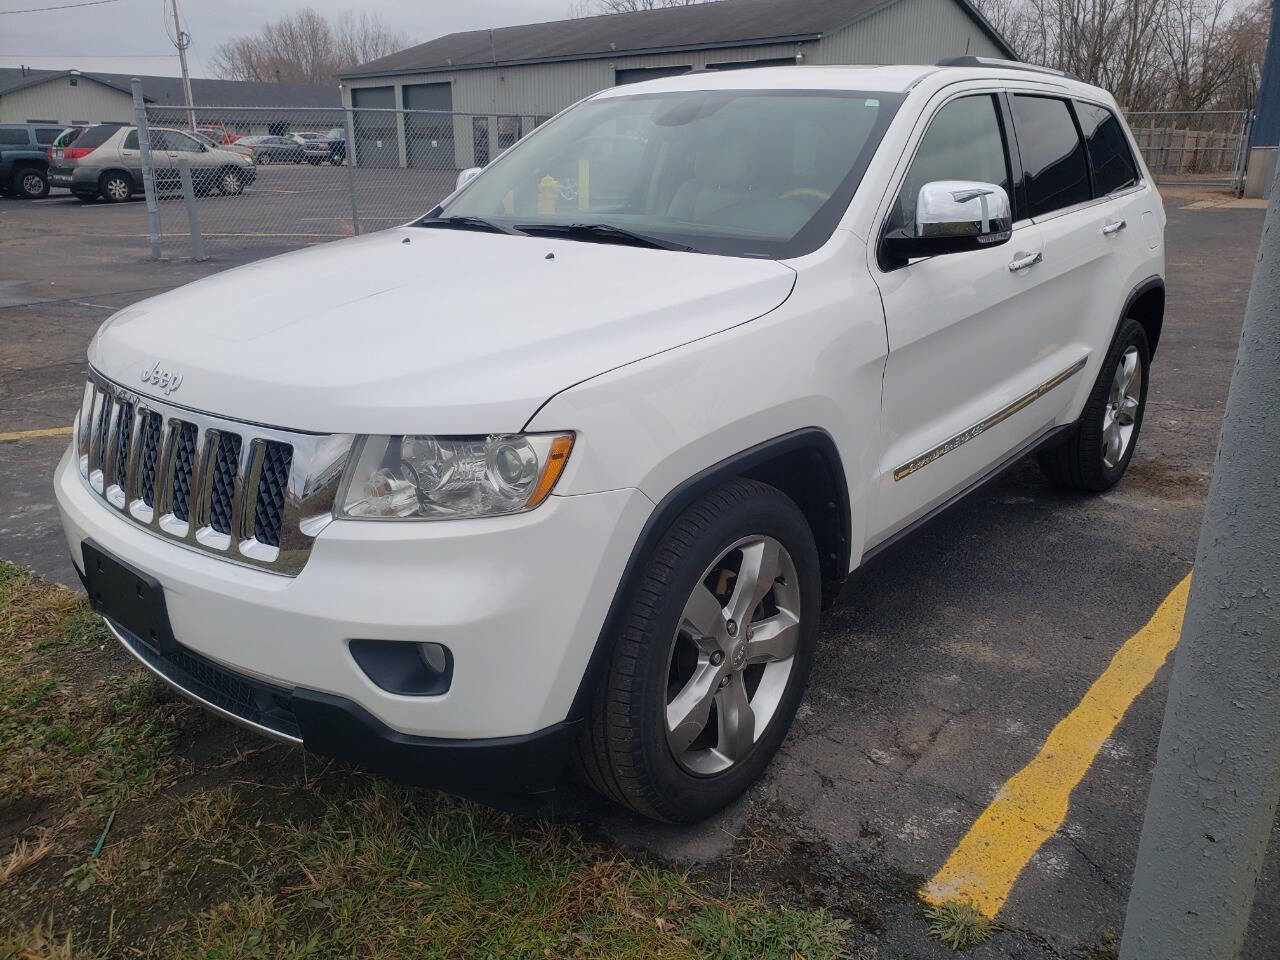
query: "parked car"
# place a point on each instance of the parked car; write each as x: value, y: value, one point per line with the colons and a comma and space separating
x: 238, y: 146
x: 105, y: 162
x: 275, y: 149
x: 24, y: 160
x: 330, y: 148
x: 219, y: 135
x: 665, y: 425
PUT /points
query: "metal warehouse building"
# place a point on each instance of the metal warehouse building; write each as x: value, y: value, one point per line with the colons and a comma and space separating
x: 510, y: 78
x: 78, y: 98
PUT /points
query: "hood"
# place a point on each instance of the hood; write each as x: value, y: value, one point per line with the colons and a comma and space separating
x: 416, y: 330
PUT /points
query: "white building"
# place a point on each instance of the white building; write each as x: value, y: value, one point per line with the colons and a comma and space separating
x: 509, y: 78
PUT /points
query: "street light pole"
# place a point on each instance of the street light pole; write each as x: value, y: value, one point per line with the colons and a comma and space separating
x: 1217, y: 779
x: 183, y: 41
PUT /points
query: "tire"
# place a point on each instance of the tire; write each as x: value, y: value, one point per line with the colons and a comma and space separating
x: 627, y: 750
x: 1097, y: 452
x: 31, y: 183
x: 335, y: 159
x: 230, y: 184
x: 263, y: 158
x: 115, y: 187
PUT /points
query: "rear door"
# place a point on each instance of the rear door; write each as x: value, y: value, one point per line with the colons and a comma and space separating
x: 963, y: 341
x: 1081, y: 212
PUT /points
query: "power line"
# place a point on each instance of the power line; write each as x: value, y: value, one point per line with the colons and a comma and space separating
x: 87, y: 56
x: 61, y: 6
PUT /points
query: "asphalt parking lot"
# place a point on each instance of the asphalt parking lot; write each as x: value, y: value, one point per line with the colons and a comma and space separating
x: 941, y: 672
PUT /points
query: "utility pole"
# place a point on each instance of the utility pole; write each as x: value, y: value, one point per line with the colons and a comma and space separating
x: 183, y: 41
x: 1217, y: 778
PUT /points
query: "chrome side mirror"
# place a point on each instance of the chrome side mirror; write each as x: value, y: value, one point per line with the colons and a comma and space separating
x: 466, y: 176
x: 953, y: 216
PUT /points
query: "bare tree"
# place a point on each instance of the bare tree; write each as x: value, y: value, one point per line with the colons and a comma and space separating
x: 592, y: 8
x: 1151, y: 54
x: 306, y: 48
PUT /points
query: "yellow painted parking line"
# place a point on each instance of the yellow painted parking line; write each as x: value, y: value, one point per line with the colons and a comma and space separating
x: 1032, y: 804
x: 34, y: 434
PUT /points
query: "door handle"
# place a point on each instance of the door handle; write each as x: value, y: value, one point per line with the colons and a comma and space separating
x: 1114, y: 227
x: 1024, y: 260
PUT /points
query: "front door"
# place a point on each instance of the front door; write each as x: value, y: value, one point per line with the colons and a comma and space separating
x: 961, y: 332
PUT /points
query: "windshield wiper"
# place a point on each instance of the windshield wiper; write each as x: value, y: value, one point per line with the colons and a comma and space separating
x: 468, y: 223
x: 603, y: 231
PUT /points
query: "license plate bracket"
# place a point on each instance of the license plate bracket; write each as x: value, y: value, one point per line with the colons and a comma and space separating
x: 131, y: 599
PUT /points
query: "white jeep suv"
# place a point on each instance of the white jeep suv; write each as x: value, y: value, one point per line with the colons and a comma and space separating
x: 564, y: 472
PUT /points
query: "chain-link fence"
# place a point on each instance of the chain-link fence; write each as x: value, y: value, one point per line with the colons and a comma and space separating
x: 1202, y: 147
x: 273, y: 178
x: 279, y: 178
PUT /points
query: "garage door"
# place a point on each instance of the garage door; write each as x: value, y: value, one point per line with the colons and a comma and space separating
x: 429, y: 136
x: 375, y: 131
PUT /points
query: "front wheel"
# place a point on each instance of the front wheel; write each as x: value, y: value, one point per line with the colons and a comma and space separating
x: 1097, y: 452
x: 711, y: 658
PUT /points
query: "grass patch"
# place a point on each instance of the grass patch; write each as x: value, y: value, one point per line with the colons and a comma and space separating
x: 958, y: 925
x: 226, y: 846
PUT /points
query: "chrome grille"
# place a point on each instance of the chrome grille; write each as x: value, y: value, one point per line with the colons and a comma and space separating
x: 249, y: 494
x: 270, y: 504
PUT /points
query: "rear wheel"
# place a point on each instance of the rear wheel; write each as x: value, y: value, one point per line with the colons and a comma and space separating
x: 1097, y: 452
x: 264, y: 158
x: 31, y: 183
x: 115, y: 187
x: 711, y: 658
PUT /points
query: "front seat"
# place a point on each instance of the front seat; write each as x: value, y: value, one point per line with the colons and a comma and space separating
x: 721, y: 178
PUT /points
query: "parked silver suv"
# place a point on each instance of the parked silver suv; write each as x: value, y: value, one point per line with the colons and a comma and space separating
x: 105, y: 161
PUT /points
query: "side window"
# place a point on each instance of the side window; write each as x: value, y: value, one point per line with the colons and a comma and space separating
x: 964, y: 142
x: 1113, y: 166
x: 15, y: 137
x: 180, y: 141
x: 46, y: 135
x: 1053, y: 161
x: 130, y: 141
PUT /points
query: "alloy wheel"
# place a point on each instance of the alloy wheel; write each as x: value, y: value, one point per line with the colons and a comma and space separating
x: 32, y: 185
x: 732, y: 654
x: 1120, y: 414
x: 230, y: 183
x: 117, y: 189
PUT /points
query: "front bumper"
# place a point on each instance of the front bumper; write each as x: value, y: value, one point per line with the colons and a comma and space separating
x: 519, y: 601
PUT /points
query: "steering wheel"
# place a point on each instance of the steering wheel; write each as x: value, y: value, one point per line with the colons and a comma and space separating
x: 807, y: 193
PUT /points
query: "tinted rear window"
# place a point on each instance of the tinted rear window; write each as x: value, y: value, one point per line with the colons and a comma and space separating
x: 1057, y: 174
x: 14, y: 137
x: 46, y: 135
x: 96, y: 136
x: 1113, y: 166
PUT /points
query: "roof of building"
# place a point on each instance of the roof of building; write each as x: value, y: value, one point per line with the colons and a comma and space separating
x: 699, y: 26
x: 167, y: 91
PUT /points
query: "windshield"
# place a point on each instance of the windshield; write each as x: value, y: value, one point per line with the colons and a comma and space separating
x: 763, y: 173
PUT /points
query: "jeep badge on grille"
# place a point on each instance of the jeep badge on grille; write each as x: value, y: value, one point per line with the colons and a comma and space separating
x: 167, y: 380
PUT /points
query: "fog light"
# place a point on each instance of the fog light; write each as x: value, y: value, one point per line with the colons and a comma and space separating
x: 434, y: 656
x: 405, y: 667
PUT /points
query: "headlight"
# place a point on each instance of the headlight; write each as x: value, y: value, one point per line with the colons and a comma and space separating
x: 444, y: 478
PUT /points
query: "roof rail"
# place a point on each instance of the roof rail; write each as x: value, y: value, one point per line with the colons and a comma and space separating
x: 1003, y: 65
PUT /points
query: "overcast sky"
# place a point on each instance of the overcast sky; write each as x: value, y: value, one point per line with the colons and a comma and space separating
x: 128, y: 36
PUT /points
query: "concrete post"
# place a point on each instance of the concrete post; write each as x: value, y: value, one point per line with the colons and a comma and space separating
x: 148, y: 172
x: 193, y: 216
x: 1217, y: 778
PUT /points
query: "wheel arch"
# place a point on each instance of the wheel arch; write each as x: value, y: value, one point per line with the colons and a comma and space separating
x: 108, y: 171
x: 1145, y: 304
x: 804, y: 464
